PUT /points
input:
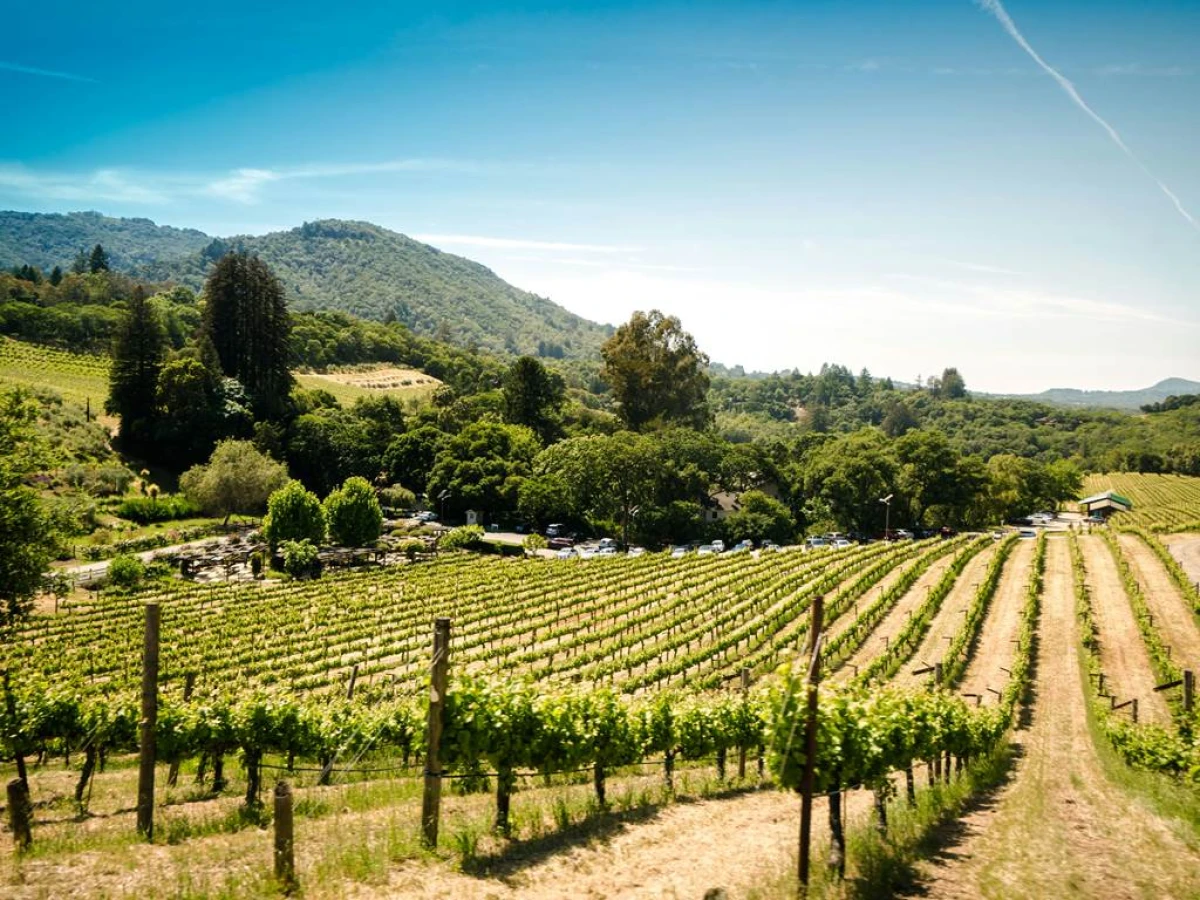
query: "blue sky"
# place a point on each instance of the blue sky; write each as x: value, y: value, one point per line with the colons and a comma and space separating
x: 897, y: 186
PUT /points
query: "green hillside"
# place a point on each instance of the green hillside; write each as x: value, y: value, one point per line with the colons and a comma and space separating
x: 47, y: 240
x: 328, y: 265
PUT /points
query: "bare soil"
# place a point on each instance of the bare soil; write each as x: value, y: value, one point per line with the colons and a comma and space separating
x: 1123, y: 656
x: 384, y: 378
x: 1172, y: 615
x: 1186, y: 549
x: 995, y: 648
x: 1060, y: 829
x: 948, y: 621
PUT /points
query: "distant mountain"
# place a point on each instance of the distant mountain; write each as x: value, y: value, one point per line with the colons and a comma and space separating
x: 1112, y: 399
x: 355, y: 267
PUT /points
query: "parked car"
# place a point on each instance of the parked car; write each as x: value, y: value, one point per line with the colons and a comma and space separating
x: 743, y: 546
x: 841, y: 544
x: 560, y: 543
x: 706, y: 550
x: 814, y: 542
x: 769, y: 545
x: 556, y: 530
x: 678, y: 552
x: 606, y: 543
x: 565, y: 553
x: 608, y: 551
x: 636, y: 551
x: 426, y: 515
x: 719, y: 546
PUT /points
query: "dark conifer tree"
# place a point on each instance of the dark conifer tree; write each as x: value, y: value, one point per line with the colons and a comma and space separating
x: 98, y: 261
x: 138, y: 354
x: 246, y: 319
x: 56, y: 276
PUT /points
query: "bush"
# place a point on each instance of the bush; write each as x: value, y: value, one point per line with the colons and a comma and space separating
x: 397, y: 497
x: 353, y: 514
x: 126, y: 571
x: 163, y: 508
x: 294, y: 514
x: 534, y: 542
x: 411, y: 548
x: 461, y: 538
x: 300, y: 559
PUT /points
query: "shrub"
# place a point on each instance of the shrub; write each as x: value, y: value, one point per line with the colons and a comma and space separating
x: 300, y: 558
x: 353, y: 514
x: 461, y: 538
x: 126, y: 571
x: 534, y: 542
x: 397, y: 497
x: 411, y: 548
x: 162, y: 508
x: 294, y: 514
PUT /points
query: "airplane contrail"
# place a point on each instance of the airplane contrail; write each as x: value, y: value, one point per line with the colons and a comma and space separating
x: 996, y: 8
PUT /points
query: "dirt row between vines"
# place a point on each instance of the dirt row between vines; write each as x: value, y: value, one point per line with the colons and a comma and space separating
x: 1186, y: 549
x: 1059, y: 828
x: 995, y: 648
x: 948, y: 621
x: 1172, y: 616
x: 895, y: 620
x: 1123, y: 655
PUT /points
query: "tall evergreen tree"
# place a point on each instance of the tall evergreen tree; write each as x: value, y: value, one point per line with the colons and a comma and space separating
x: 56, y: 276
x: 246, y: 319
x: 80, y: 264
x: 98, y: 261
x: 138, y: 354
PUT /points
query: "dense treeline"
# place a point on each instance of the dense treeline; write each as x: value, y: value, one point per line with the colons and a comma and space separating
x: 834, y: 400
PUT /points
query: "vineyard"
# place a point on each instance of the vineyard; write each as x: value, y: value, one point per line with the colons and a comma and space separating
x: 1161, y: 503
x: 577, y: 691
x: 77, y: 376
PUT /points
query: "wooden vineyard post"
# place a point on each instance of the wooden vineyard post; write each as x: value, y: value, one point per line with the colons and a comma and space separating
x: 742, y: 748
x: 11, y: 705
x: 431, y: 801
x: 353, y: 679
x: 148, y: 724
x: 1189, y: 690
x: 810, y: 742
x: 285, y: 844
x: 20, y: 815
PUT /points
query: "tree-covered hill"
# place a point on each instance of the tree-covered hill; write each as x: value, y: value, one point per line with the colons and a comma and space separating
x: 1168, y: 387
x: 328, y: 265
x: 47, y: 240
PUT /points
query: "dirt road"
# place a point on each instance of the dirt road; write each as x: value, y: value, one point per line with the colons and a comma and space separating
x: 1186, y: 549
x: 1060, y: 828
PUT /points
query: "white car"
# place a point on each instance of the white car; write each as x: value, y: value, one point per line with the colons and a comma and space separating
x: 813, y: 543
x: 636, y: 551
x: 706, y: 550
x: 679, y: 552
x: 718, y: 546
x: 841, y: 544
x: 565, y: 553
x: 607, y: 551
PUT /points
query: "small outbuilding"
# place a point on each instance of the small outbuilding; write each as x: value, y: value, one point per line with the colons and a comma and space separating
x: 1105, y: 504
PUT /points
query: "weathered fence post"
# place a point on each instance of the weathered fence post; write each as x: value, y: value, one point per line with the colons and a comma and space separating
x: 20, y: 815
x: 810, y: 741
x: 353, y: 679
x: 1189, y: 690
x: 285, y: 844
x: 431, y: 801
x: 148, y: 724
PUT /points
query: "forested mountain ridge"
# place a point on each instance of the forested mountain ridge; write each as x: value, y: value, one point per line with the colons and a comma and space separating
x: 47, y: 240
x: 338, y: 265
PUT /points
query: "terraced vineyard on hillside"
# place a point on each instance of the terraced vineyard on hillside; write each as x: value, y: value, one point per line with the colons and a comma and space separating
x: 633, y: 670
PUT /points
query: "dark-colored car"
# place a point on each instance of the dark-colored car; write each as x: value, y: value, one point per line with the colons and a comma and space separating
x: 560, y: 543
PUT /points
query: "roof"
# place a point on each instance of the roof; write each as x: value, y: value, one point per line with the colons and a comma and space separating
x: 1111, y: 496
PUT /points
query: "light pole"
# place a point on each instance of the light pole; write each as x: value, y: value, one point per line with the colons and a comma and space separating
x: 887, y: 516
x: 442, y: 497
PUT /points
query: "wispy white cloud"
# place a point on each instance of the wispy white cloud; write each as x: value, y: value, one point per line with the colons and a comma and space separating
x: 865, y: 65
x: 100, y: 185
x: 474, y: 240
x: 996, y: 8
x: 1144, y: 70
x: 44, y: 73
x: 243, y: 185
